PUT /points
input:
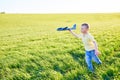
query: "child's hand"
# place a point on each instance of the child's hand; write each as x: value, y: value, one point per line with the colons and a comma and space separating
x: 97, y: 52
x: 69, y: 30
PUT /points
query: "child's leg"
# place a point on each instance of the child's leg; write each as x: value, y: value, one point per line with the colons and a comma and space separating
x: 95, y: 58
x: 88, y: 58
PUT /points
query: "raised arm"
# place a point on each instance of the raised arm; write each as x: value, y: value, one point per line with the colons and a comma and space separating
x: 74, y: 34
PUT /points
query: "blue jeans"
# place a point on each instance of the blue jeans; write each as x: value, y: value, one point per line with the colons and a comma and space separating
x: 89, y: 56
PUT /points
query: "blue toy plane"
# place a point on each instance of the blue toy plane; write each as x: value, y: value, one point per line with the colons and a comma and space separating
x: 66, y: 28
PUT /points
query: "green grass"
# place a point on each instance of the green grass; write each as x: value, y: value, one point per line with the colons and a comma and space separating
x: 32, y: 49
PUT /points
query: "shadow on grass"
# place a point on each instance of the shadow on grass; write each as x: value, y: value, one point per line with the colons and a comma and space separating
x: 108, y: 75
x: 78, y: 57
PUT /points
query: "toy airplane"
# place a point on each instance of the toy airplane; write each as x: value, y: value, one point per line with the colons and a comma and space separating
x: 66, y: 28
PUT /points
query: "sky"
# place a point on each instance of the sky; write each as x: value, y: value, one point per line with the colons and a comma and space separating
x: 59, y: 6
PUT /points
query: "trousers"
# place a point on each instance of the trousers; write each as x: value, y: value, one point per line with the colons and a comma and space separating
x: 89, y: 56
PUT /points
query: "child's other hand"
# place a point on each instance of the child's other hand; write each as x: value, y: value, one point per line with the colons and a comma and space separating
x: 97, y: 52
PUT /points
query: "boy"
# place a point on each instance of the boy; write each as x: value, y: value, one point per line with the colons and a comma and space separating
x: 90, y: 46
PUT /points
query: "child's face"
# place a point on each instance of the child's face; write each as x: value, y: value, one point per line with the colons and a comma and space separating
x: 84, y: 29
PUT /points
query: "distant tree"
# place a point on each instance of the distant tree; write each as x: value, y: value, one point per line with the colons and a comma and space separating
x: 2, y: 12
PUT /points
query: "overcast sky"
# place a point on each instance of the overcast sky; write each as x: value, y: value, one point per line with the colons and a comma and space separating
x: 59, y: 6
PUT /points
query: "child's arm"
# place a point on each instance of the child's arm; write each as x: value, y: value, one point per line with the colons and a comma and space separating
x: 96, y: 48
x: 95, y: 45
x: 74, y: 34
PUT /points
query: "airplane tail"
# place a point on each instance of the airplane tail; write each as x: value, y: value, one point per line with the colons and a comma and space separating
x: 74, y: 27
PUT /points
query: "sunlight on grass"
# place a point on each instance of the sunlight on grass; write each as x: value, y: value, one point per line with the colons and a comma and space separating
x: 31, y: 48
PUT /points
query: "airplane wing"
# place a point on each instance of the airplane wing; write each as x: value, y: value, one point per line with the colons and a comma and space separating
x: 62, y: 29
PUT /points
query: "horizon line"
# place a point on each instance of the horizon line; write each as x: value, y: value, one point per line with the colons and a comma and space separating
x: 63, y: 13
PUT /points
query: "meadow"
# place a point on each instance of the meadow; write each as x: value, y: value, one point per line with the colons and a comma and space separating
x: 32, y: 49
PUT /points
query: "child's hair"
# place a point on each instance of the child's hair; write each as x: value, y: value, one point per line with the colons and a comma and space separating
x: 85, y: 24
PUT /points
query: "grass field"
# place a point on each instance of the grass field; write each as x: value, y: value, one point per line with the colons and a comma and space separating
x: 32, y: 49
